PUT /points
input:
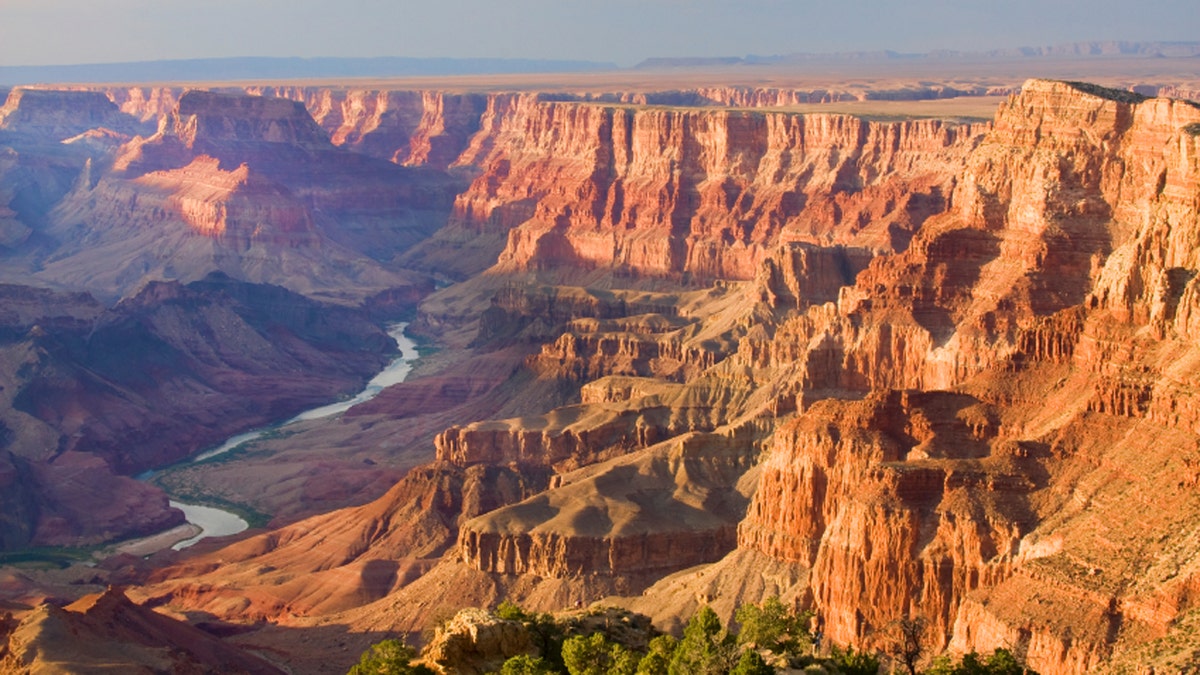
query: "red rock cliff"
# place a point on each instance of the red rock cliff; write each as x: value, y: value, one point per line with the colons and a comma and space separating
x: 414, y: 128
x: 229, y: 174
x: 704, y: 193
x: 1057, y: 291
x: 60, y: 114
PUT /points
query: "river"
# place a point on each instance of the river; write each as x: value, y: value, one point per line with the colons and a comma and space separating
x: 214, y: 522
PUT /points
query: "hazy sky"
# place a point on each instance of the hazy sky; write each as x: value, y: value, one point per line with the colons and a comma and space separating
x: 44, y: 32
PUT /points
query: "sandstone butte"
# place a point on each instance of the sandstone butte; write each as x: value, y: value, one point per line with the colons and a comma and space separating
x: 880, y: 369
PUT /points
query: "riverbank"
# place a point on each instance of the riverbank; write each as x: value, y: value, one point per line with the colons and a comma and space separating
x: 212, y: 518
x: 157, y: 542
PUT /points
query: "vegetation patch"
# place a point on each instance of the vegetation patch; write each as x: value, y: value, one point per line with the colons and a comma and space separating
x: 47, y: 557
x: 180, y: 489
x: 1108, y: 93
x: 763, y: 639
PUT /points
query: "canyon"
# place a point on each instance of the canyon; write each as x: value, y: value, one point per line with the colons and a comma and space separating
x: 680, y: 347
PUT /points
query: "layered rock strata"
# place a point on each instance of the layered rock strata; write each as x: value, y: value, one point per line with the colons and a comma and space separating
x: 704, y: 194
x: 247, y: 185
x: 624, y: 518
x: 93, y: 393
x: 942, y: 363
x: 1060, y: 275
x: 108, y: 629
x: 56, y: 115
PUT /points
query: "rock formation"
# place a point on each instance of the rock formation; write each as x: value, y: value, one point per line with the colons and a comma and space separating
x: 108, y: 629
x: 247, y: 185
x: 56, y: 115
x: 92, y: 392
x: 905, y: 369
x: 1056, y: 250
x: 413, y: 128
x: 474, y: 642
x: 704, y: 194
x: 623, y: 518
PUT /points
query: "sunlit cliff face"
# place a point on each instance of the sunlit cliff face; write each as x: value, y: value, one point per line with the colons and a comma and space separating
x: 883, y: 369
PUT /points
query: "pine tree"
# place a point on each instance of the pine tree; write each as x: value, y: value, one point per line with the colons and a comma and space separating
x: 706, y: 648
x: 657, y: 660
x: 527, y: 665
x: 595, y: 655
x: 752, y: 663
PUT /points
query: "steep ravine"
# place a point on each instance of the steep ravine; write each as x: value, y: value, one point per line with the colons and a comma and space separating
x: 216, y: 522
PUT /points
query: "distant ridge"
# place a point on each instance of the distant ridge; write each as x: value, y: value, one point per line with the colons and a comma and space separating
x: 271, y: 68
x: 1062, y: 51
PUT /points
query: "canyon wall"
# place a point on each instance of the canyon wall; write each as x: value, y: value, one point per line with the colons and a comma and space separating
x: 937, y: 309
x: 93, y: 395
x: 702, y: 194
x: 934, y: 370
x: 594, y: 181
x: 897, y: 506
x: 250, y: 186
x: 1055, y: 291
x: 61, y: 114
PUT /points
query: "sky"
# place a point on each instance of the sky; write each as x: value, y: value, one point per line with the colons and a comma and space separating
x: 60, y: 32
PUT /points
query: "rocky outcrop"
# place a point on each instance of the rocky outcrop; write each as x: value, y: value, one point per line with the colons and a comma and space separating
x: 589, y: 351
x: 148, y: 104
x: 799, y: 275
x: 413, y: 128
x: 109, y: 629
x: 56, y: 115
x: 615, y: 418
x: 224, y: 120
x: 624, y: 519
x: 570, y: 436
x: 237, y: 207
x: 535, y: 313
x: 476, y: 642
x: 897, y: 505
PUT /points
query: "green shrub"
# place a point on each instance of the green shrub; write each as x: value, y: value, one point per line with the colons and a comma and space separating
x: 999, y: 662
x: 511, y: 611
x: 851, y: 662
x: 596, y: 655
x: 1119, y: 95
x: 706, y: 649
x: 657, y: 660
x: 773, y: 626
x: 389, y: 657
x: 527, y: 665
x: 752, y: 663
